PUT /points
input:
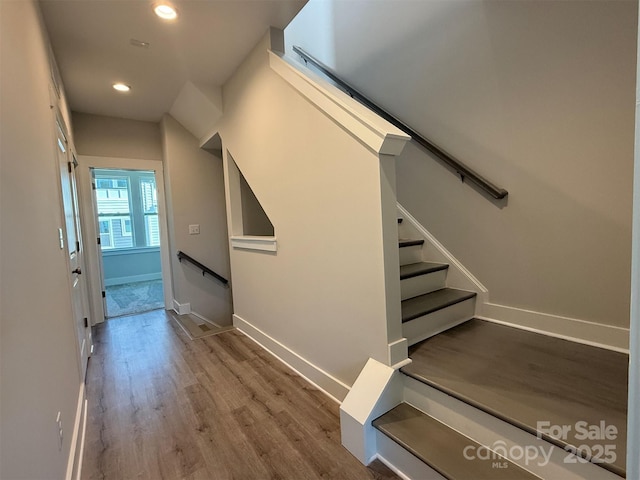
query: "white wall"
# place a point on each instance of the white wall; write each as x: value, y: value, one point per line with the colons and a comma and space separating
x: 39, y: 372
x: 102, y: 136
x: 536, y: 96
x: 322, y: 294
x: 194, y: 182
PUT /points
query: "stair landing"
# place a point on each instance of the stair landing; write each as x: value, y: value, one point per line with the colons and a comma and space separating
x: 531, y: 381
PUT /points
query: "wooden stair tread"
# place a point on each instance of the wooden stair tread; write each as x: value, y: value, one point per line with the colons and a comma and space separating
x: 420, y: 268
x: 408, y: 242
x: 431, y: 302
x: 442, y: 448
x: 524, y: 378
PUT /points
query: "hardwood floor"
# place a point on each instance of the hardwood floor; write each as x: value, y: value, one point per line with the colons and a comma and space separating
x: 162, y: 406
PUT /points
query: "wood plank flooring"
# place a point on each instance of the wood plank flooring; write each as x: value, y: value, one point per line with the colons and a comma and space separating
x: 162, y: 406
x: 525, y: 378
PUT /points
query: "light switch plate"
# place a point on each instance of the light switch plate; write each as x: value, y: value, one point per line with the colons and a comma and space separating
x: 194, y: 229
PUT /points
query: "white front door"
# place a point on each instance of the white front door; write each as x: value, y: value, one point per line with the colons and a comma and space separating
x: 72, y: 239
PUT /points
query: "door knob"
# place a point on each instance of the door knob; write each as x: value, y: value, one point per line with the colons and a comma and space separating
x: 77, y: 270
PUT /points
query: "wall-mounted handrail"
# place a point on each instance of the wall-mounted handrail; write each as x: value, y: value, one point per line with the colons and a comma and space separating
x: 204, y: 268
x: 460, y: 168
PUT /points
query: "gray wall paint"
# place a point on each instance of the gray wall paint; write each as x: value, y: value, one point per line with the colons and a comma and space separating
x: 194, y: 184
x: 118, y: 266
x: 116, y: 137
x: 537, y: 96
x: 38, y: 349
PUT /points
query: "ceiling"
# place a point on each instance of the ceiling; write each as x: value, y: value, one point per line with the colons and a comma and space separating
x: 91, y: 40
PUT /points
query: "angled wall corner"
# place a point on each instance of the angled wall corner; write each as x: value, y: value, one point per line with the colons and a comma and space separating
x: 197, y: 108
x: 212, y: 144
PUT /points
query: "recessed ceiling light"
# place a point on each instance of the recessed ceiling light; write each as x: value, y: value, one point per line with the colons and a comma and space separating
x: 121, y: 87
x: 166, y: 11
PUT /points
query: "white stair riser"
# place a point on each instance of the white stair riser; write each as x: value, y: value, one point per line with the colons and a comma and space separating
x: 405, y: 231
x: 490, y: 431
x: 409, y: 466
x: 414, y: 286
x: 412, y: 254
x: 431, y: 324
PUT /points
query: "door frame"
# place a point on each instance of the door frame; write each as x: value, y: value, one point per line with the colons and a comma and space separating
x: 65, y: 154
x: 90, y: 224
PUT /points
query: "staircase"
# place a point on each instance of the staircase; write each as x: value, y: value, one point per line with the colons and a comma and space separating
x: 488, y: 401
x: 428, y: 305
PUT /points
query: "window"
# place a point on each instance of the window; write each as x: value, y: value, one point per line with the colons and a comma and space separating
x: 149, y: 196
x: 125, y: 226
x: 105, y: 233
x: 153, y: 230
x: 127, y: 203
x: 115, y: 232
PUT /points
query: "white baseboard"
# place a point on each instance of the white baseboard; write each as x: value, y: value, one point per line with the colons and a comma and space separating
x: 573, y: 329
x: 147, y: 277
x: 181, y: 308
x: 83, y: 442
x: 328, y: 384
x: 76, y: 451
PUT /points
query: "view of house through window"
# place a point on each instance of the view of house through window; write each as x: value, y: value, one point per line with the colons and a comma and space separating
x: 127, y: 216
x: 127, y: 204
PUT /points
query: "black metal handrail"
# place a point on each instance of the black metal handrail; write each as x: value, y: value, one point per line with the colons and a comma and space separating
x: 459, y: 167
x: 204, y: 268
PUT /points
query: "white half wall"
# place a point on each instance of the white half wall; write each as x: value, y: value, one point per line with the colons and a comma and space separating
x: 322, y: 294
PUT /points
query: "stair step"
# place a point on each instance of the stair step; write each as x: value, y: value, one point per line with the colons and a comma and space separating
x: 420, y: 268
x: 442, y: 448
x: 524, y: 378
x: 410, y: 250
x: 432, y: 302
x: 422, y: 277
